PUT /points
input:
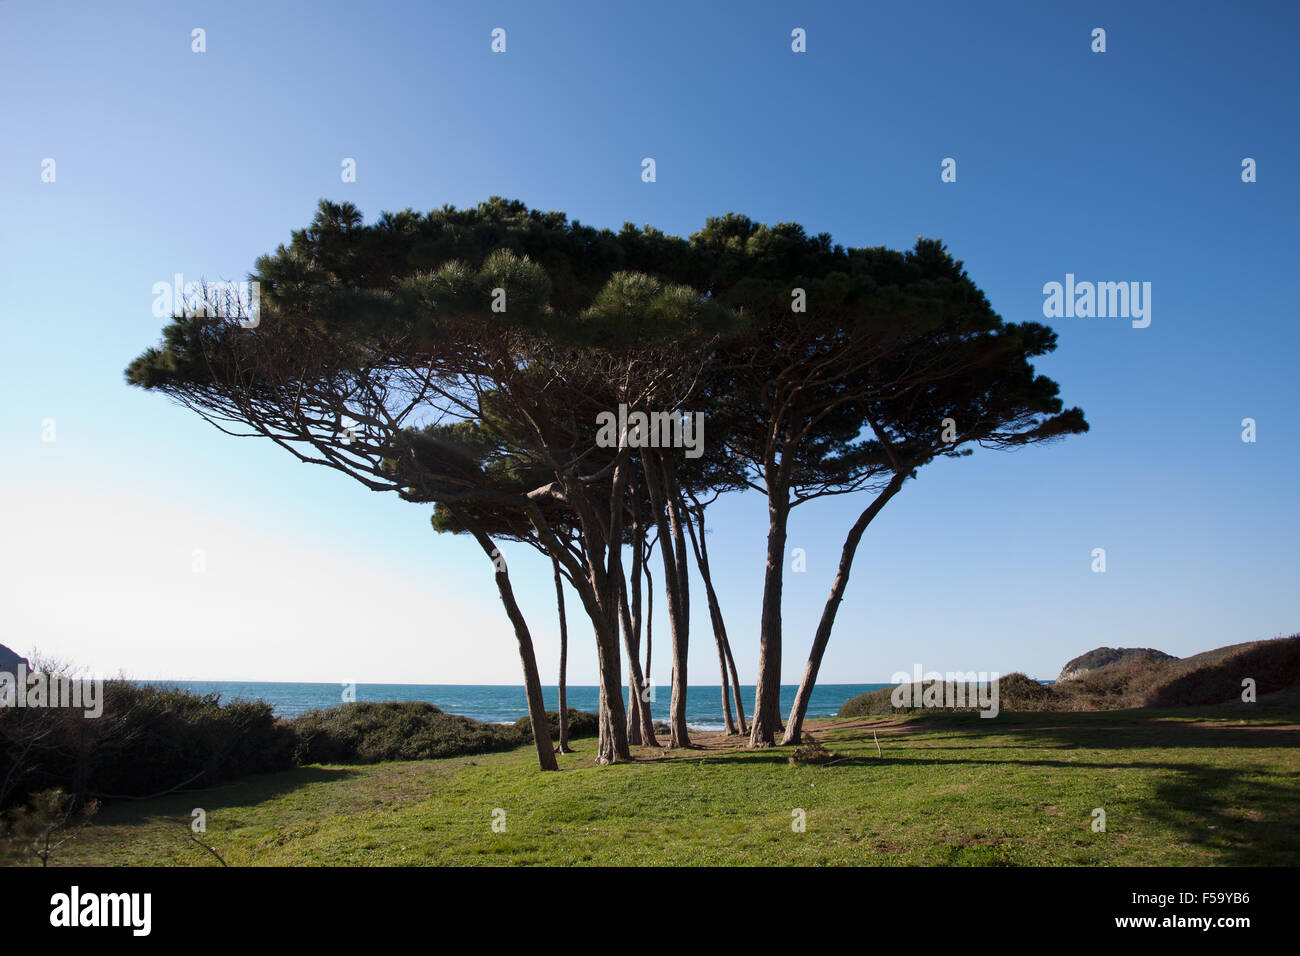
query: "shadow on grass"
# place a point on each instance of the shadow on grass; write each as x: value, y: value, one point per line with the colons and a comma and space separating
x: 1245, y: 816
x: 1243, y: 823
x: 245, y: 791
x: 1105, y: 730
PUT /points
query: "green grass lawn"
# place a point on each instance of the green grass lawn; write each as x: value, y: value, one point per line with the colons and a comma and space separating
x: 1213, y: 786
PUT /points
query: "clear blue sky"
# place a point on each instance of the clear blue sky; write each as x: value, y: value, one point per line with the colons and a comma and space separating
x: 1118, y: 166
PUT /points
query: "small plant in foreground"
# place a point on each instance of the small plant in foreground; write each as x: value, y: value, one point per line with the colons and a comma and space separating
x: 50, y: 820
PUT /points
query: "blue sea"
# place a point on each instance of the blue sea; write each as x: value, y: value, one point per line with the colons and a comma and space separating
x: 505, y: 703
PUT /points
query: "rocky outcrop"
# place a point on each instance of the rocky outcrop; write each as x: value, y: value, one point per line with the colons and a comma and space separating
x: 1105, y: 656
x: 9, y: 661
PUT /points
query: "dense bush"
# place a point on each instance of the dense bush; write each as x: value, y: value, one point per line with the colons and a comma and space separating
x: 581, y: 724
x: 406, y: 730
x: 1018, y: 691
x: 147, y: 740
x: 150, y: 740
x: 871, y: 703
x: 880, y: 701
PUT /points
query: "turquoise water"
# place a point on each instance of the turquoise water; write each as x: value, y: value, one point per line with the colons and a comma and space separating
x: 501, y: 704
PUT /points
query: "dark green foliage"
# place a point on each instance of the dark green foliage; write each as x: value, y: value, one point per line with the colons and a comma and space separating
x: 880, y: 701
x: 168, y: 735
x: 871, y: 703
x: 150, y: 740
x: 147, y: 740
x: 581, y: 724
x: 406, y: 730
x: 423, y: 275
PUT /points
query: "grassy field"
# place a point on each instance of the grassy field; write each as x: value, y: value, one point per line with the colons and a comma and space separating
x: 1212, y: 786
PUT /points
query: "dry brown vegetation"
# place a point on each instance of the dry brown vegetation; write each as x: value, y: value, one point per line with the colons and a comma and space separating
x: 1214, y: 677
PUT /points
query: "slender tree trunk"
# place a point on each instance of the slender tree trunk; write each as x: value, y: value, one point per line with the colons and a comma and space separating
x: 794, y: 727
x: 640, y: 723
x: 728, y: 720
x: 767, y: 693
x: 634, y: 736
x: 681, y: 636
x: 649, y: 621
x: 563, y: 746
x: 640, y: 726
x: 633, y: 641
x: 532, y: 681
x: 707, y: 574
x: 735, y: 685
x: 678, y: 624
x: 715, y: 615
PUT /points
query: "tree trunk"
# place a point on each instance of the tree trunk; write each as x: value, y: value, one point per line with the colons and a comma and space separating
x: 640, y: 723
x: 794, y: 727
x: 678, y: 625
x: 735, y: 685
x: 640, y: 726
x: 615, y: 603
x: 722, y: 631
x: 592, y: 589
x: 767, y: 693
x: 633, y: 641
x: 563, y: 746
x: 613, y: 744
x: 728, y: 720
x: 649, y: 620
x: 715, y: 616
x: 532, y: 681
x: 681, y: 636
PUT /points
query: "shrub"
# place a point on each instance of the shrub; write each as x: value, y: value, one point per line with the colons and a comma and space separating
x: 1018, y: 691
x: 877, y: 702
x: 400, y: 730
x: 812, y: 752
x: 1112, y: 687
x: 148, y: 740
x: 871, y: 703
x: 581, y: 724
x: 38, y: 830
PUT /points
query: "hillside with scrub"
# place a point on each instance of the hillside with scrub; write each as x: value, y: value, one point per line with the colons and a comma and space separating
x: 1131, y: 681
